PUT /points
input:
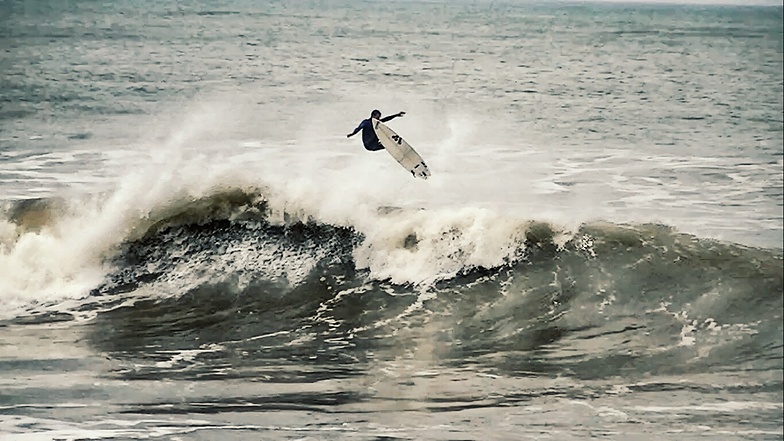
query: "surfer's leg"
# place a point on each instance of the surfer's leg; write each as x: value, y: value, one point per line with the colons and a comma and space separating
x: 376, y: 147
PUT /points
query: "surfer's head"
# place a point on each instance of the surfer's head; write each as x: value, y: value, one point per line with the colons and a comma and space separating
x: 375, y: 114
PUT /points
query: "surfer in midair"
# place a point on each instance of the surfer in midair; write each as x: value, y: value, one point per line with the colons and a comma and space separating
x: 369, y: 137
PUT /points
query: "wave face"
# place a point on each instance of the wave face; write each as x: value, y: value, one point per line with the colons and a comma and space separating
x: 642, y: 300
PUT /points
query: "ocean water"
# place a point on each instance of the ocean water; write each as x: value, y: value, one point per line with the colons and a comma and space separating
x: 191, y: 248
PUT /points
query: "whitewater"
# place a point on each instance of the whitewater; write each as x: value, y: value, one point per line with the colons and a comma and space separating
x: 191, y: 248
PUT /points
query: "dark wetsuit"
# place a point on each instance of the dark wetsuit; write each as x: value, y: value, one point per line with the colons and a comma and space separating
x: 369, y: 137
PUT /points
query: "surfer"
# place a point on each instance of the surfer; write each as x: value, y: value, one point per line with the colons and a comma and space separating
x: 369, y: 137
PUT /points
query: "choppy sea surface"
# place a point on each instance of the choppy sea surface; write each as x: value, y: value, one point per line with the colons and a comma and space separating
x: 191, y: 248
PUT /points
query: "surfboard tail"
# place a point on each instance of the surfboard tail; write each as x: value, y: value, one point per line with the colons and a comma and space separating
x: 421, y: 171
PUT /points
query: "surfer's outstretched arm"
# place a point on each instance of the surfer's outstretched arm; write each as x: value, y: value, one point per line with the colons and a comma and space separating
x: 359, y: 127
x: 391, y: 117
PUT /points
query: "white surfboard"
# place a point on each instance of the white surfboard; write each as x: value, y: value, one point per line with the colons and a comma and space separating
x: 401, y: 150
